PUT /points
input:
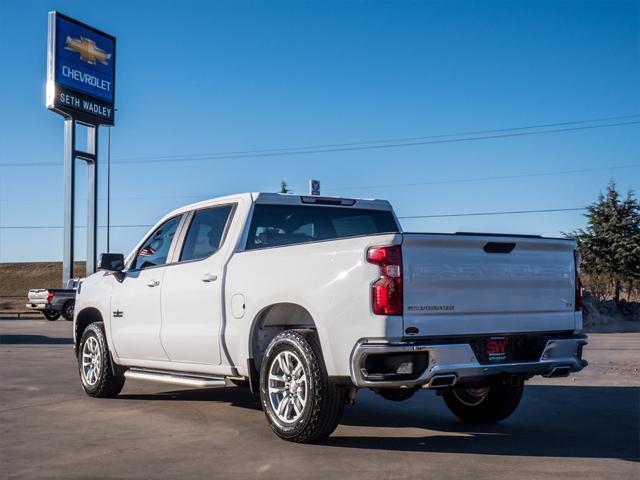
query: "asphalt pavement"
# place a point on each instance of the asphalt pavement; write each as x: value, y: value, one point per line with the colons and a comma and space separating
x: 585, y: 426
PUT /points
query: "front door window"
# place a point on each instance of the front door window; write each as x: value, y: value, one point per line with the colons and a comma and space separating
x: 155, y: 249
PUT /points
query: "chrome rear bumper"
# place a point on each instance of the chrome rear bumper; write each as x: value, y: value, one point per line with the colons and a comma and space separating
x: 38, y: 306
x: 449, y: 364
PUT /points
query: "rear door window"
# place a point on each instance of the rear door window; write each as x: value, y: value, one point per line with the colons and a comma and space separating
x: 276, y: 225
x: 206, y: 232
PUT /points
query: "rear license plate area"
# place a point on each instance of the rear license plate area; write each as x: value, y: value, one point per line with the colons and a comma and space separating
x: 496, y: 349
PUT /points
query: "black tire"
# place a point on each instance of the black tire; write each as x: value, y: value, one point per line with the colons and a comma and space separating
x: 324, y: 402
x: 498, y: 404
x: 396, y: 394
x: 67, y: 310
x: 51, y: 315
x: 103, y: 383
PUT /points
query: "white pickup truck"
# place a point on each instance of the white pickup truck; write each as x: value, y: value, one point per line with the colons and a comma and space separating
x: 307, y: 299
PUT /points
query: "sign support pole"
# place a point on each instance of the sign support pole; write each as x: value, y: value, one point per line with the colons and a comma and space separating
x: 92, y: 203
x: 71, y: 153
x: 108, y: 188
x: 69, y: 199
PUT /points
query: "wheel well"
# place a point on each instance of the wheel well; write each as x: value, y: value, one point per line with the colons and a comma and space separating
x: 271, y: 321
x: 85, y: 317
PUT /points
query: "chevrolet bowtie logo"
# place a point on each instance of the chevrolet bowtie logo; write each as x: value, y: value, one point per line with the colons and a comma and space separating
x: 88, y: 50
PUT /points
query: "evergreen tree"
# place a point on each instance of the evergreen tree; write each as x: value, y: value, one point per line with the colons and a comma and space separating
x: 610, y: 245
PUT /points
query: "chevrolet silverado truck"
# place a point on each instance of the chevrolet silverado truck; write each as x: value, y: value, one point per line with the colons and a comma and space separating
x: 53, y: 302
x: 307, y: 299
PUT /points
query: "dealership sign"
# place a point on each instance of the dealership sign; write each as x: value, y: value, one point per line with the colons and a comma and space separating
x: 80, y: 71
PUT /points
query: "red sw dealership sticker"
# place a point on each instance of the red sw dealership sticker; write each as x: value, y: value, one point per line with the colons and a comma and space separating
x: 497, y: 349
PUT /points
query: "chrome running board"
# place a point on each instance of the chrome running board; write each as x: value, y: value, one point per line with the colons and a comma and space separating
x: 176, y: 378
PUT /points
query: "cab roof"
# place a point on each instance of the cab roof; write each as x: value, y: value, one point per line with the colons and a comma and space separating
x: 287, y: 199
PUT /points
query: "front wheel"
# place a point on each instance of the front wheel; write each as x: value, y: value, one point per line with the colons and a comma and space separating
x: 484, y: 405
x: 301, y: 403
x: 98, y: 379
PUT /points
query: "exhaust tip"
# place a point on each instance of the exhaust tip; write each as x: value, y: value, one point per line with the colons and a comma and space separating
x: 559, y: 372
x: 442, y: 381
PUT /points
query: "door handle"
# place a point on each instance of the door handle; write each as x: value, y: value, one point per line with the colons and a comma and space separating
x: 153, y: 283
x: 209, y: 277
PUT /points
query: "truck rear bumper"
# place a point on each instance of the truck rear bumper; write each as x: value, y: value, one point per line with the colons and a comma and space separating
x: 446, y: 365
x: 38, y: 306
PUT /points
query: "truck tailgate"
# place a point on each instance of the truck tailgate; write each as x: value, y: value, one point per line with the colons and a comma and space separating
x: 477, y: 284
x: 38, y: 296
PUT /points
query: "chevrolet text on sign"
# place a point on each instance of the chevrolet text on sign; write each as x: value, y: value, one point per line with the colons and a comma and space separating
x: 80, y: 70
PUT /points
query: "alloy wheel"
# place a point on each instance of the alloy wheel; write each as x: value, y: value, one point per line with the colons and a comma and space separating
x: 288, y: 386
x: 91, y: 361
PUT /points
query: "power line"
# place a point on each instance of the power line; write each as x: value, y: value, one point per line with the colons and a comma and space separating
x: 368, y: 142
x: 514, y: 212
x: 480, y: 179
x: 149, y: 197
x: 368, y: 145
x: 373, y: 147
x: 384, y: 185
x: 55, y: 227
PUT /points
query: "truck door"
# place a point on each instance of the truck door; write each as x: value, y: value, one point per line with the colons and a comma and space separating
x: 135, y: 303
x: 192, y: 307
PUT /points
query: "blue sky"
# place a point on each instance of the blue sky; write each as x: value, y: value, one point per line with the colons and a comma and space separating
x: 211, y: 77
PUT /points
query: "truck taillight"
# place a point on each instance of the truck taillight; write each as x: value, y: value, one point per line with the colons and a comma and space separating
x: 50, y: 296
x: 386, y: 292
x: 578, y: 260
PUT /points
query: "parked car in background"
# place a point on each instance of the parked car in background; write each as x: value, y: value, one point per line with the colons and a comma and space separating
x: 307, y: 299
x: 53, y: 302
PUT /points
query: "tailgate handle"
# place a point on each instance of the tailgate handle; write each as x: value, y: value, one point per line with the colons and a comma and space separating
x: 499, y: 247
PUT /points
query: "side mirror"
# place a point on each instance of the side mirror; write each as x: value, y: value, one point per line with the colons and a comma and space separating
x: 113, y: 262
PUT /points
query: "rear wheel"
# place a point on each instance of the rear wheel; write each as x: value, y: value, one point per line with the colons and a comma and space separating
x: 98, y: 379
x: 67, y: 310
x: 396, y: 394
x: 484, y: 405
x: 301, y: 403
x: 51, y: 315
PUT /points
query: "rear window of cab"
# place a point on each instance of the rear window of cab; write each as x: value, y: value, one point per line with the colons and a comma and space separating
x: 278, y: 225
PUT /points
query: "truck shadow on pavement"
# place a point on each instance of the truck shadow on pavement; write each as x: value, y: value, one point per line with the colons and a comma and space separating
x: 551, y: 421
x: 34, y: 340
x: 235, y: 396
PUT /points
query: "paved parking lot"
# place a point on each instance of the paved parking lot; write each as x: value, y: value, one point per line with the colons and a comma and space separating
x: 586, y: 426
